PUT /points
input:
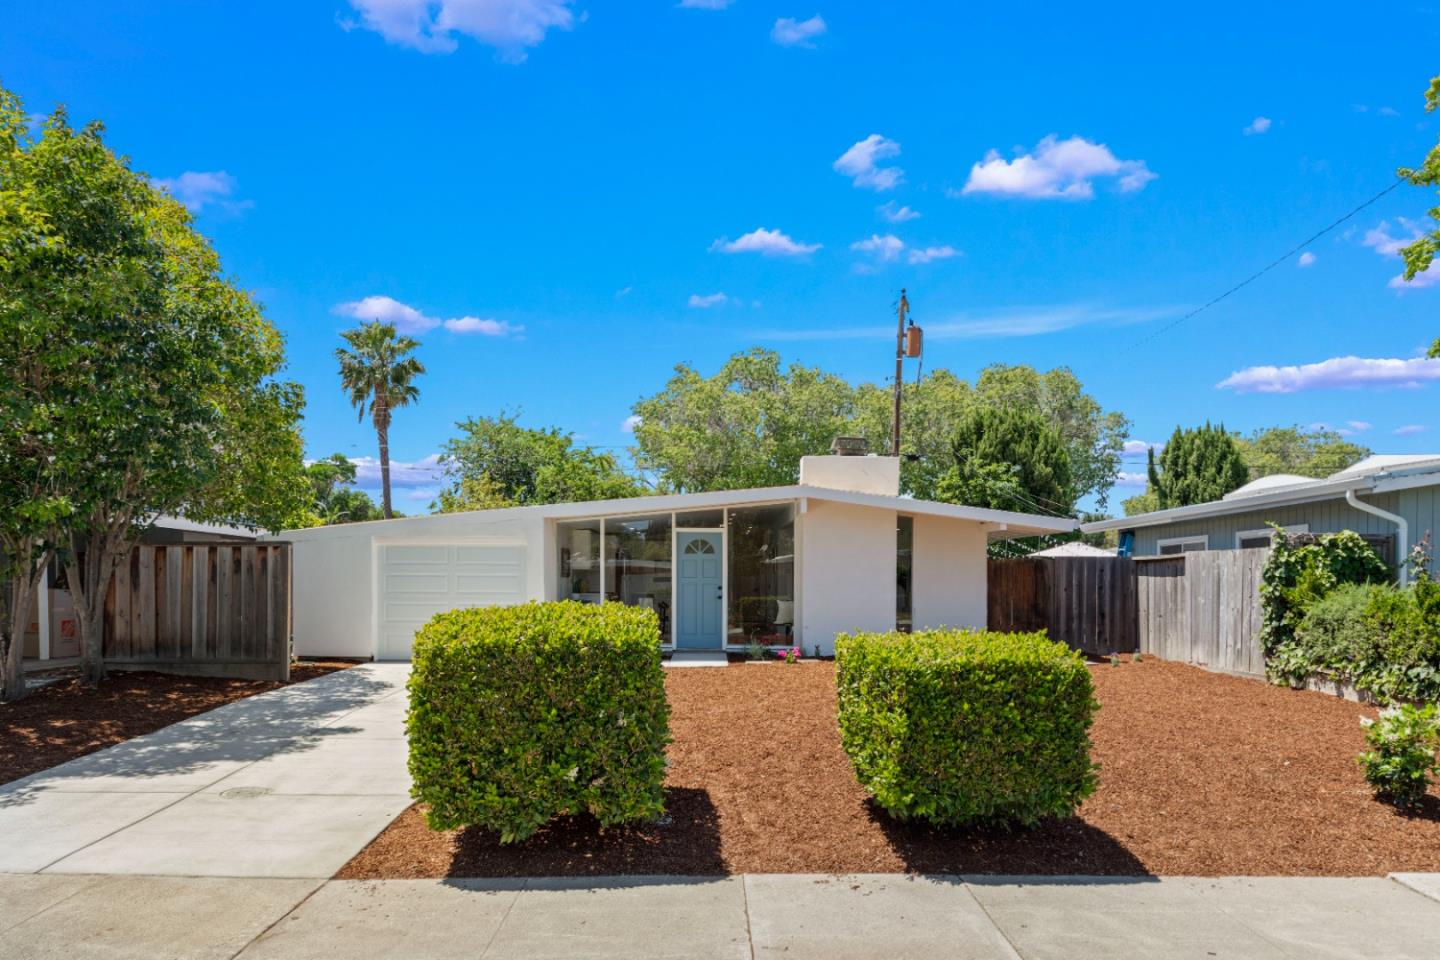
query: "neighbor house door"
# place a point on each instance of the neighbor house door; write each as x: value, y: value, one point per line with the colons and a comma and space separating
x: 699, y: 590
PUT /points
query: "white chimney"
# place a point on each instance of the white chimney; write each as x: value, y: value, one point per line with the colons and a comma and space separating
x: 880, y: 475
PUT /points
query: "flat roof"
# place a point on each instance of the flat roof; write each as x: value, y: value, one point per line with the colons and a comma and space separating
x: 1003, y: 522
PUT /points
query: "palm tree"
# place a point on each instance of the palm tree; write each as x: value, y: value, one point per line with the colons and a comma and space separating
x: 378, y: 370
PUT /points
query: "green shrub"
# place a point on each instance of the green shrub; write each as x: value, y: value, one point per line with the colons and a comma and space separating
x: 1401, y: 760
x: 956, y: 726
x: 520, y: 714
x: 1296, y: 576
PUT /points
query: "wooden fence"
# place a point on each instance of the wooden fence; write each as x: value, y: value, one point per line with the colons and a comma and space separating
x: 202, y: 609
x: 1087, y: 602
x: 1201, y: 607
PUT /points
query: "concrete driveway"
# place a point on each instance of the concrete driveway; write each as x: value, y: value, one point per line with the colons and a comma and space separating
x: 290, y: 783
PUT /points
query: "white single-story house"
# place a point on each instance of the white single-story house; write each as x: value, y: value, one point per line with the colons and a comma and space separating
x: 1392, y: 499
x: 779, y: 566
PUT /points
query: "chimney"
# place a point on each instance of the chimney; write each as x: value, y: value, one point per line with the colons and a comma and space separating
x: 852, y: 469
x: 850, y: 446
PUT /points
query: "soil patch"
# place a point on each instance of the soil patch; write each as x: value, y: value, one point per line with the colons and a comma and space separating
x: 1201, y: 774
x: 69, y: 718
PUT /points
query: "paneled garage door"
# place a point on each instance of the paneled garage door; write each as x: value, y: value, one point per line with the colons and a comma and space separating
x: 418, y: 581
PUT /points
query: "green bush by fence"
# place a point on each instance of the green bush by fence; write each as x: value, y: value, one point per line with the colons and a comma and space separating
x: 957, y: 726
x: 520, y: 714
x: 1295, y: 577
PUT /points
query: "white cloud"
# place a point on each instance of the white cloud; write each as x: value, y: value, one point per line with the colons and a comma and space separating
x: 1388, y: 112
x: 1335, y: 373
x: 1387, y: 244
x: 884, y: 249
x: 1307, y: 259
x: 1027, y: 322
x: 705, y: 4
x: 930, y: 254
x: 409, y: 320
x: 770, y: 243
x: 1140, y: 447
x: 425, y: 472
x: 1358, y: 426
x: 623, y: 292
x: 1131, y: 481
x: 485, y: 327
x: 861, y: 163
x: 789, y: 32
x: 1258, y: 125
x: 708, y: 300
x: 894, y: 214
x: 629, y: 424
x: 1410, y: 429
x: 1058, y: 169
x: 200, y: 189
x: 430, y: 26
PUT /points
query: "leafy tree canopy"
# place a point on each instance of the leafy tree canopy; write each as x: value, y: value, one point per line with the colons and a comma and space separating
x: 334, y: 497
x: 1308, y: 453
x: 156, y: 379
x: 747, y: 426
x: 1420, y: 254
x: 496, y: 462
x: 1197, y: 466
x: 750, y: 424
x: 1008, y: 458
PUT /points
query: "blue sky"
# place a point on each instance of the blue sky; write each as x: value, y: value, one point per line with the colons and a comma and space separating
x: 555, y: 196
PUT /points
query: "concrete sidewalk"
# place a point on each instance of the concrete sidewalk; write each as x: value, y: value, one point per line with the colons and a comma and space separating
x: 290, y: 783
x: 883, y: 917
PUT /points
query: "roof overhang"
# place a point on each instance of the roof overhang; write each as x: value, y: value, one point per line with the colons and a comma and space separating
x: 1000, y: 524
x: 1327, y: 490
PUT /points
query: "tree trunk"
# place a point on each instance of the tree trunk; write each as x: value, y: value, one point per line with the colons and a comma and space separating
x: 18, y: 593
x: 382, y: 430
x: 90, y: 588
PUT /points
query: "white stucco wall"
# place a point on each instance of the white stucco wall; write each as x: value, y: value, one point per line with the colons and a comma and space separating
x: 847, y: 572
x: 334, y: 572
x: 949, y: 573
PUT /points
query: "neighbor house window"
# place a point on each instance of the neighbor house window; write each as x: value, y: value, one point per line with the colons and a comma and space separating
x: 1251, y: 539
x: 1178, y: 545
x: 579, y: 551
x: 637, y: 564
x: 904, y: 572
x: 762, y: 574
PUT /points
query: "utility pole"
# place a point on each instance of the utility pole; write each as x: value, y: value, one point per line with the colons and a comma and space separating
x: 900, y: 313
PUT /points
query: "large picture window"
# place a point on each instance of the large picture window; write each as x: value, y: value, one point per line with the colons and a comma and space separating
x: 579, y: 544
x: 637, y: 565
x: 762, y: 574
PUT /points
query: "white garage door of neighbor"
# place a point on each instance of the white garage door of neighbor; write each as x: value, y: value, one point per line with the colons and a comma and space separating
x: 418, y: 581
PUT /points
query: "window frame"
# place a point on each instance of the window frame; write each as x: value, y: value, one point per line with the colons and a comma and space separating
x: 1201, y: 538
x: 1243, y: 535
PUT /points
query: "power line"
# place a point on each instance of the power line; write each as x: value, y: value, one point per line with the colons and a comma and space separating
x: 1260, y: 273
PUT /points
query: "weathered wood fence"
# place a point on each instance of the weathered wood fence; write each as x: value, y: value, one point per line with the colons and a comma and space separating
x: 1086, y: 602
x: 202, y: 609
x: 1201, y: 607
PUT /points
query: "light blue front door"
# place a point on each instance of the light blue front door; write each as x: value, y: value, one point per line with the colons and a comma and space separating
x: 699, y: 591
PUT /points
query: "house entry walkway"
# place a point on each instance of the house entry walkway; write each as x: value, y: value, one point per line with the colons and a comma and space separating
x: 290, y: 783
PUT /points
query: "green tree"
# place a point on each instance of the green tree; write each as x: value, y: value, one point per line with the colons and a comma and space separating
x: 378, y: 371
x: 1196, y: 466
x: 1420, y: 254
x: 1435, y: 349
x: 747, y: 426
x: 1308, y: 453
x: 156, y: 377
x: 496, y: 462
x: 334, y: 498
x: 1008, y: 459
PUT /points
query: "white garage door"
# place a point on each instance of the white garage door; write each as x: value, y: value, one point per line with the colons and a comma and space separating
x: 418, y: 581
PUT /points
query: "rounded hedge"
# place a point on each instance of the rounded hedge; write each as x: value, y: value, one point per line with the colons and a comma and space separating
x: 959, y: 727
x: 520, y: 714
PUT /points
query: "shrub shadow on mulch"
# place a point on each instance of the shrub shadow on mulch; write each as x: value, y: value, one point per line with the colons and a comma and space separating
x: 1053, y: 847
x: 685, y: 841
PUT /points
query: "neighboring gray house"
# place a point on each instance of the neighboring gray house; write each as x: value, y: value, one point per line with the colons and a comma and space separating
x: 1389, y: 496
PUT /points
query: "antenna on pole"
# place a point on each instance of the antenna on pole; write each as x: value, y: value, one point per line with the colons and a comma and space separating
x: 908, y: 343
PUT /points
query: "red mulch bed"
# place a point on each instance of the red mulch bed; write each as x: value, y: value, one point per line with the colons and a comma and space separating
x: 1201, y: 774
x: 69, y: 718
